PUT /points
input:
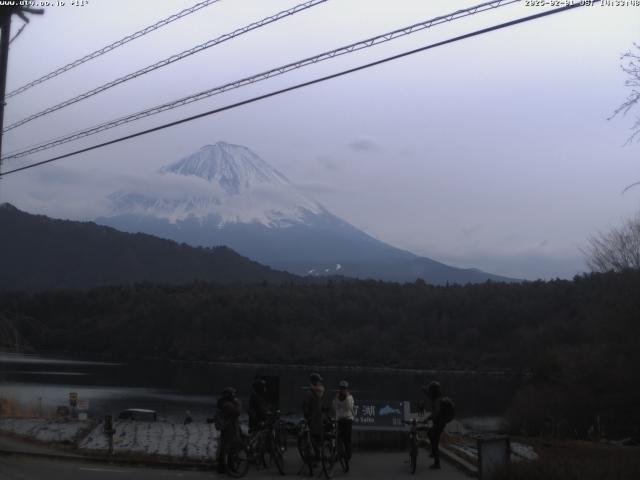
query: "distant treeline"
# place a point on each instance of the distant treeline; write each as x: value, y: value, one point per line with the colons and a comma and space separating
x: 580, y: 339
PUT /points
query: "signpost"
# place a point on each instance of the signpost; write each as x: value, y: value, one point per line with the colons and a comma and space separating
x: 379, y: 414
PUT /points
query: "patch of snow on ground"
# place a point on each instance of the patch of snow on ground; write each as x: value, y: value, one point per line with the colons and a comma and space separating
x: 519, y: 451
x: 483, y: 424
x: 525, y: 451
x: 467, y: 449
x: 44, y: 429
x: 194, y: 441
x: 455, y: 427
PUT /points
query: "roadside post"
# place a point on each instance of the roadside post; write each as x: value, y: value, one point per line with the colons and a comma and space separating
x: 494, y: 456
x: 83, y: 409
x: 73, y: 404
x: 109, y: 431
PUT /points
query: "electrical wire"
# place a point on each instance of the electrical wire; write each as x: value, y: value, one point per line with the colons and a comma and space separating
x: 369, y: 42
x: 300, y: 85
x: 112, y: 46
x: 168, y: 61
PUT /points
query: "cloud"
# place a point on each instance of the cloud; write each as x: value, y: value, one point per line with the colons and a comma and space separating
x: 365, y: 144
x: 470, y: 231
x: 318, y: 188
x: 329, y: 162
x: 544, y: 243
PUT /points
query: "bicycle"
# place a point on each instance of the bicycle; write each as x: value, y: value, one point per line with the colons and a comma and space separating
x: 413, y: 442
x: 333, y: 450
x: 281, y: 434
x: 305, y: 446
x: 261, y: 449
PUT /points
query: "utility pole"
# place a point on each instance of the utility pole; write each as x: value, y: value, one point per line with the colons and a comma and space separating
x: 5, y: 38
x: 4, y: 60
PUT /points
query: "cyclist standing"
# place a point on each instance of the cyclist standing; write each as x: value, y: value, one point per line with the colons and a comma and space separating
x: 442, y: 412
x: 312, y: 409
x: 258, y: 405
x: 343, y: 405
x: 226, y: 421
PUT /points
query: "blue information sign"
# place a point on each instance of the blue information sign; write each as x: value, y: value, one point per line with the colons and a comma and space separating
x: 378, y: 413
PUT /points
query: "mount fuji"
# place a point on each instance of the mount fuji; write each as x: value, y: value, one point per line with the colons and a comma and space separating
x: 225, y: 194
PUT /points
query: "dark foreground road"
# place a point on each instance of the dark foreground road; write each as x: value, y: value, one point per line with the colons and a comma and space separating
x: 367, y: 465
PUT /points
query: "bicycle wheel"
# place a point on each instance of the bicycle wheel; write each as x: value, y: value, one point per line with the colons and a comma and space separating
x: 256, y: 450
x: 305, y: 449
x: 328, y: 458
x: 281, y: 436
x: 237, y: 459
x: 413, y: 456
x: 342, y: 455
x: 277, y: 457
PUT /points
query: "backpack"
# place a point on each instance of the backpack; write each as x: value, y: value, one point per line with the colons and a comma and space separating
x: 447, y: 409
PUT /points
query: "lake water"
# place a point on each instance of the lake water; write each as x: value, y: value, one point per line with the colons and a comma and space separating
x: 38, y: 384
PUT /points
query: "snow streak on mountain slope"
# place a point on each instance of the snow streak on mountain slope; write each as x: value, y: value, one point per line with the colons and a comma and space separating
x: 221, y: 183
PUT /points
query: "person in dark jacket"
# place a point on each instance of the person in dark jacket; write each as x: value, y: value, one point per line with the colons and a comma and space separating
x: 258, y: 405
x: 228, y: 411
x: 312, y: 410
x: 433, y: 392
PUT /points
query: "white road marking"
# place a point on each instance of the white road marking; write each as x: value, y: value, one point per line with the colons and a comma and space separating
x: 111, y: 470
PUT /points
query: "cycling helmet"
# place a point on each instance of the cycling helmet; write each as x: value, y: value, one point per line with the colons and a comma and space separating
x: 343, y: 384
x: 432, y: 390
x: 229, y: 392
x: 315, y: 378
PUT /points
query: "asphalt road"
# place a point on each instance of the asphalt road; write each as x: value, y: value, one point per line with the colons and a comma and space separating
x: 365, y: 465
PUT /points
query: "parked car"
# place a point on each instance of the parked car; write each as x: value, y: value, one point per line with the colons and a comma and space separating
x: 138, y: 414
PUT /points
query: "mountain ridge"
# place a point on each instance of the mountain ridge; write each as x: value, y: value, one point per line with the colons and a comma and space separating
x: 233, y: 197
x: 44, y: 253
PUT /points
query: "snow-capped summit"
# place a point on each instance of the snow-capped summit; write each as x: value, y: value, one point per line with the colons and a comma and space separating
x: 233, y: 167
x: 219, y: 184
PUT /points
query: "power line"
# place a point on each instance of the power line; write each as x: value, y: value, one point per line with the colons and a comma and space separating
x: 113, y: 46
x: 169, y: 60
x: 369, y: 42
x: 301, y: 85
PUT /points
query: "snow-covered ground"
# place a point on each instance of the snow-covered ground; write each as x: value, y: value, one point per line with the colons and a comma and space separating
x: 192, y: 442
x: 523, y: 451
x: 45, y: 430
x: 195, y: 441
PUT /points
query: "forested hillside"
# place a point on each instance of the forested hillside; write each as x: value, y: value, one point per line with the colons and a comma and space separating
x: 578, y: 338
x: 39, y: 253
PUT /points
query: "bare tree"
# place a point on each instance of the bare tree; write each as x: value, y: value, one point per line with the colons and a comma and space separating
x: 616, y: 250
x: 631, y: 66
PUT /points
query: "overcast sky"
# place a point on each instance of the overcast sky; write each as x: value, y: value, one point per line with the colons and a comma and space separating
x: 493, y: 152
